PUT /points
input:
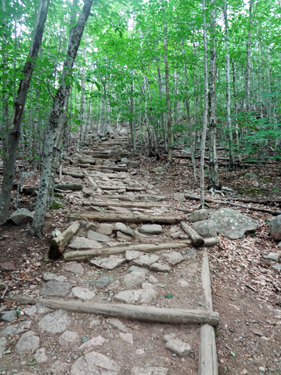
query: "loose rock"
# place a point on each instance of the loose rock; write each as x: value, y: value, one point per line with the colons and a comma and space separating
x: 95, y: 363
x: 116, y: 323
x: 68, y: 338
x: 8, y: 316
x: 83, y: 293
x: 106, y: 229
x: 97, y: 236
x: 180, y: 197
x: 15, y: 329
x: 80, y: 243
x: 146, y: 260
x: 40, y: 356
x: 74, y: 267
x: 160, y: 267
x: 28, y: 342
x: 151, y: 229
x: 131, y: 254
x: 178, y: 347
x: 96, y: 341
x: 275, y: 228
x: 133, y: 279
x: 103, y: 281
x: 124, y: 229
x: 172, y: 257
x: 206, y: 228
x: 22, y: 216
x: 48, y: 276
x: 128, y: 337
x: 197, y: 215
x: 108, y: 263
x: 55, y: 288
x: 56, y: 322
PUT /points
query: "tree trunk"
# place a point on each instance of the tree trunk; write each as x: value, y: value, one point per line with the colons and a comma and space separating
x: 5, y: 122
x: 15, y: 129
x: 248, y: 67
x: 57, y: 112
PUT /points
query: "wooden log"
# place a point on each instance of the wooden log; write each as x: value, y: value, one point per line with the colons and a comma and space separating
x: 106, y: 251
x: 213, y: 241
x: 112, y: 187
x: 133, y: 312
x: 206, y: 281
x: 123, y: 204
x: 130, y: 218
x: 28, y: 190
x: 208, y: 361
x: 73, y: 174
x: 118, y: 169
x: 196, y: 197
x: 136, y: 188
x: 58, y: 244
x: 197, y: 240
x: 87, y: 160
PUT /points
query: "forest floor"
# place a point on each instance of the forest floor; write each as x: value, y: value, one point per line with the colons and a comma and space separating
x: 246, y: 288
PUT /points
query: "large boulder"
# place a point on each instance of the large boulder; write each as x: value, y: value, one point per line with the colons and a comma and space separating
x: 198, y: 215
x: 275, y: 228
x: 22, y: 216
x: 206, y: 228
x: 233, y: 224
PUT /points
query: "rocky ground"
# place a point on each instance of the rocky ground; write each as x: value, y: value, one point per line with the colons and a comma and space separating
x: 244, y: 269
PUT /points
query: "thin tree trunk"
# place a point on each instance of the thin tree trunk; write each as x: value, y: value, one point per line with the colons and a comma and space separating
x: 162, y: 113
x: 5, y: 123
x: 248, y: 67
x: 55, y: 119
x: 15, y: 129
x: 132, y: 115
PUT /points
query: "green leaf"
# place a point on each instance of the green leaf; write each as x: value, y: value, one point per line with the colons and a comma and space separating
x: 233, y: 354
x: 168, y: 296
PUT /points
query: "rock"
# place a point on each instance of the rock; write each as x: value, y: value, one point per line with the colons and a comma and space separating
x: 22, y: 216
x: 183, y: 283
x: 40, y: 356
x: 180, y: 197
x: 178, y: 347
x: 103, y: 281
x: 74, y: 267
x: 275, y: 228
x: 124, y: 229
x: 123, y: 131
x: 91, y: 226
x: 97, y: 236
x: 95, y: 363
x: 157, y: 170
x: 273, y: 256
x: 129, y: 296
x: 108, y: 263
x: 2, y: 345
x: 48, y: 276
x: 59, y: 368
x: 83, y: 293
x: 133, y: 279
x: 106, y: 229
x: 56, y: 233
x: 131, y: 254
x: 168, y: 337
x: 8, y: 316
x: 116, y: 323
x: 15, y: 329
x: 146, y: 260
x: 205, y: 228
x: 149, y: 293
x: 55, y: 288
x: 137, y: 269
x: 176, y: 235
x: 152, y: 279
x: 233, y: 224
x: 172, y: 257
x: 56, y: 322
x: 7, y: 266
x: 42, y: 309
x: 30, y: 311
x: 250, y: 175
x: 132, y: 164
x: 150, y: 371
x: 123, y: 237
x: 122, y: 210
x: 28, y: 342
x: 124, y: 160
x: 151, y: 228
x: 68, y: 338
x: 191, y: 254
x: 80, y: 243
x: 96, y: 341
x: 160, y: 267
x: 197, y: 215
x: 128, y: 337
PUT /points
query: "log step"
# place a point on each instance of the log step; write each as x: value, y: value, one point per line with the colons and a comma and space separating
x: 130, y: 218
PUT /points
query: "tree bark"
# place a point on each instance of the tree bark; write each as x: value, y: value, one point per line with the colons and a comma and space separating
x: 15, y: 129
x: 58, y: 244
x: 127, y: 217
x: 196, y: 239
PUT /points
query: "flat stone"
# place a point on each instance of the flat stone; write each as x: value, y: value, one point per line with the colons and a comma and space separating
x: 137, y: 269
x: 55, y: 322
x: 55, y: 288
x: 124, y: 229
x: 96, y: 341
x: 168, y: 337
x: 97, y: 236
x: 272, y: 256
x: 68, y: 338
x: 8, y: 316
x: 74, y: 267
x: 183, y: 283
x: 151, y: 229
x: 48, y: 276
x: 172, y: 257
x: 7, y: 266
x: 132, y: 254
x: 95, y: 363
x: 123, y: 237
x: 108, y: 263
x: 146, y: 260
x: 106, y: 229
x: 116, y: 323
x: 233, y: 224
x: 83, y: 293
x: 42, y: 309
x: 16, y: 329
x: 191, y: 254
x: 128, y: 337
x: 30, y: 311
x: 180, y: 197
x: 129, y: 296
x: 103, y: 281
x: 133, y: 279
x: 275, y: 228
x: 149, y: 293
x: 206, y: 228
x: 197, y: 215
x: 178, y: 347
x: 59, y: 368
x: 27, y: 343
x: 80, y: 243
x: 150, y: 371
x: 22, y: 216
x: 160, y: 267
x: 152, y: 279
x: 3, y: 342
x: 40, y: 356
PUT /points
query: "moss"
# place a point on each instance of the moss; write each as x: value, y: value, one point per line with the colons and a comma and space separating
x: 56, y: 206
x: 58, y: 195
x: 217, y: 333
x: 252, y: 191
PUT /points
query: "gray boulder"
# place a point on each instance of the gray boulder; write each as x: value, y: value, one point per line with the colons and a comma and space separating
x: 151, y: 229
x: 206, y: 228
x: 233, y: 224
x: 22, y: 216
x: 180, y: 197
x: 198, y: 215
x: 157, y: 170
x: 275, y: 228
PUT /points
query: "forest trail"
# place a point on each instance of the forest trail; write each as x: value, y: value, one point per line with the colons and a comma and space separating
x: 151, y: 274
